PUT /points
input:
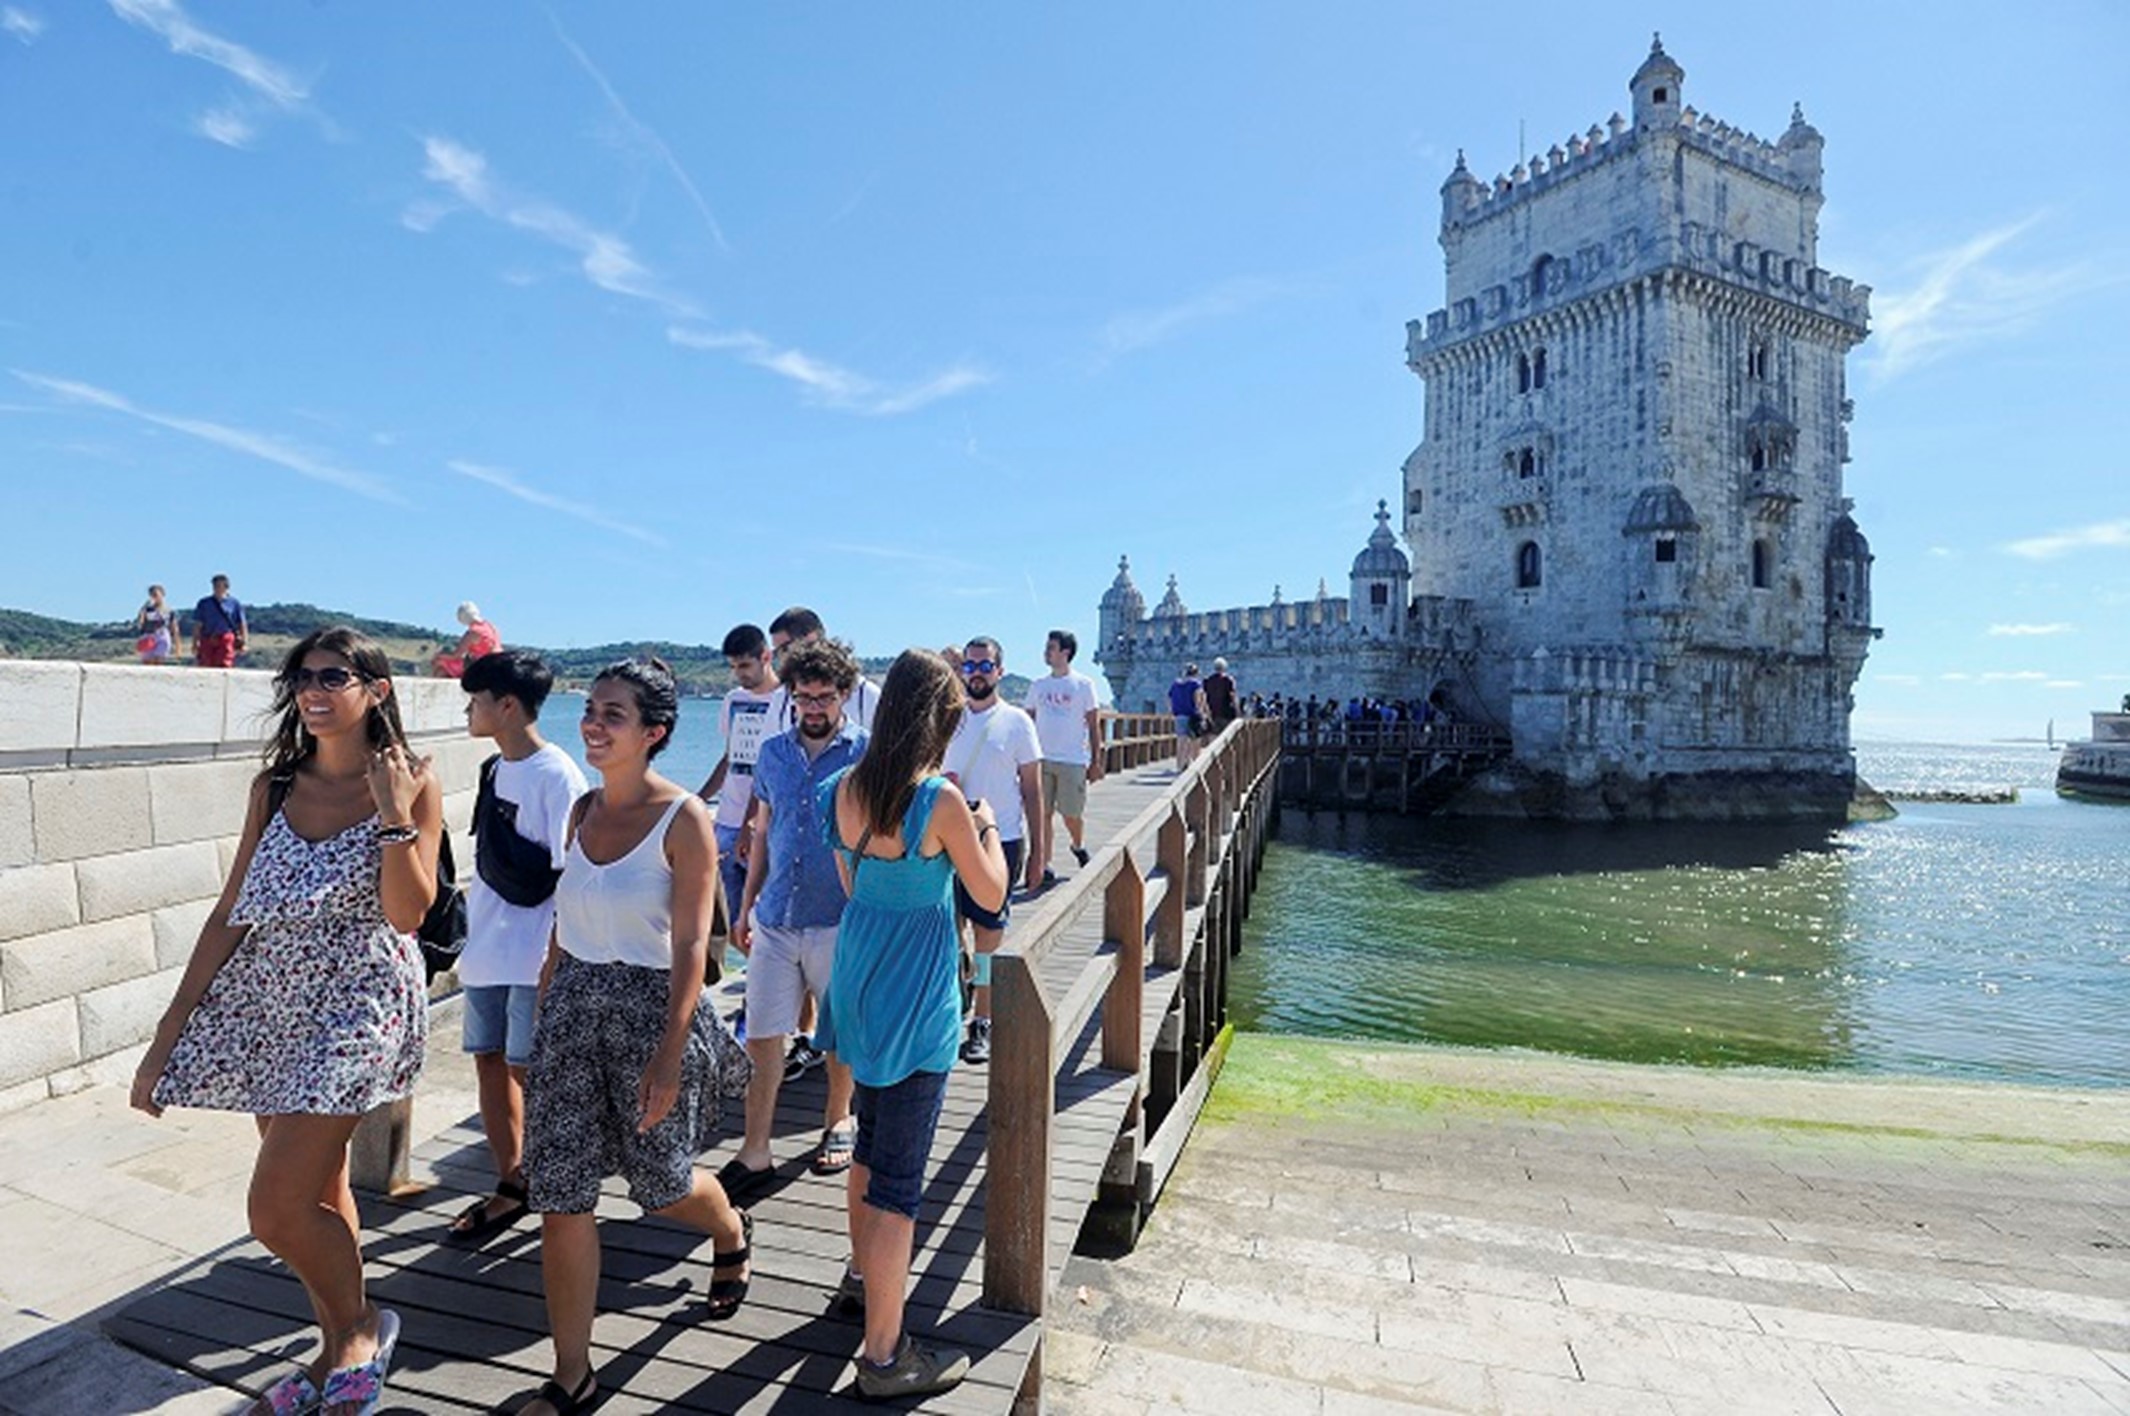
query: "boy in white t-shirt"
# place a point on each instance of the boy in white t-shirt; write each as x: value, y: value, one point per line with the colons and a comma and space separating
x: 993, y: 757
x: 521, y: 820
x: 745, y: 720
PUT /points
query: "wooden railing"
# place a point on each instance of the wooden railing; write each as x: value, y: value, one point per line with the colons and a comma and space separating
x: 1308, y: 735
x: 1194, y: 849
x: 1135, y: 739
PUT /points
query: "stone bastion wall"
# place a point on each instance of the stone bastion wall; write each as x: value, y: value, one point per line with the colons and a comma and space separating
x: 122, y: 791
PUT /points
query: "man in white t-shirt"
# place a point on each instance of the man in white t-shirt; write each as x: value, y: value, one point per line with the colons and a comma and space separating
x: 1068, y: 725
x: 993, y: 757
x: 744, y: 721
x: 521, y: 822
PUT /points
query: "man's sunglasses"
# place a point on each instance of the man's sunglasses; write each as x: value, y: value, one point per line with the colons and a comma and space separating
x: 332, y: 680
x: 978, y: 666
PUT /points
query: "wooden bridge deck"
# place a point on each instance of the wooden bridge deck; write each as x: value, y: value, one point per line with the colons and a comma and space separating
x: 475, y: 1325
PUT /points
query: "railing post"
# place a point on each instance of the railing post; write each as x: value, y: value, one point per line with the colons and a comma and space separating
x: 1199, y: 821
x: 1124, y: 924
x: 1171, y: 854
x: 1023, y: 1093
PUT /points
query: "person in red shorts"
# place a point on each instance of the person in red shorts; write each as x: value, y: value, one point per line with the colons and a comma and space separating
x: 218, y: 628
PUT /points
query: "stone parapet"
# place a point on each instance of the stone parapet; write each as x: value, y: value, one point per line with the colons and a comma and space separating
x: 122, y: 793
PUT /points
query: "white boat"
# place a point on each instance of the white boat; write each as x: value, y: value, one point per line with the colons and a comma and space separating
x: 2099, y: 766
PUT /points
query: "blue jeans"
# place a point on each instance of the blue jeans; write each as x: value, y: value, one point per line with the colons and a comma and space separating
x: 895, y: 1128
x: 500, y: 1019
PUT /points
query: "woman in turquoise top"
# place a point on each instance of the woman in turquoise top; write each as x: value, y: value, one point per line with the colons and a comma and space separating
x: 893, y: 1011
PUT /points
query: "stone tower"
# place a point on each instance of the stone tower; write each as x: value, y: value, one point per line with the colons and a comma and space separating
x: 1635, y: 432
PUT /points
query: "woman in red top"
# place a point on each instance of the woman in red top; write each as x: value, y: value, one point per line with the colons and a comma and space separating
x: 480, y: 638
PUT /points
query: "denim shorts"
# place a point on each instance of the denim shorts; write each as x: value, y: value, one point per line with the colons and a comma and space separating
x: 1183, y: 725
x: 895, y: 1128
x: 499, y: 1018
x: 979, y: 916
x: 731, y: 870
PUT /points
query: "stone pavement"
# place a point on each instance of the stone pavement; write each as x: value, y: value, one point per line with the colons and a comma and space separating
x: 98, y: 1202
x: 1398, y: 1230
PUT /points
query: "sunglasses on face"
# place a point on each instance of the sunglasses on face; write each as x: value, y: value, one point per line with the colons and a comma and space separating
x: 332, y: 679
x: 978, y: 666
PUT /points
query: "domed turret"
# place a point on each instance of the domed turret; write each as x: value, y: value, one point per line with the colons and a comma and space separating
x: 1382, y: 579
x: 1461, y: 194
x: 1848, y: 574
x: 1122, y: 604
x: 1802, y: 147
x: 1661, y: 508
x: 1171, y: 606
x: 1656, y: 88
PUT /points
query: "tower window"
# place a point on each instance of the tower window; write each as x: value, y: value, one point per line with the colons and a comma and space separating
x: 1538, y: 368
x: 1379, y: 594
x: 1527, y: 463
x: 1760, y: 456
x: 1523, y: 373
x: 1756, y: 361
x: 1663, y: 95
x: 1412, y: 502
x: 1667, y: 550
x: 1527, y: 566
x: 1763, y: 563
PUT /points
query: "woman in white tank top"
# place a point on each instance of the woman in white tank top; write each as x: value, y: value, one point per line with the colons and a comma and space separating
x: 631, y: 1064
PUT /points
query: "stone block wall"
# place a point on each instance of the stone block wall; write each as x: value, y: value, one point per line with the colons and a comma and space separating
x: 122, y: 791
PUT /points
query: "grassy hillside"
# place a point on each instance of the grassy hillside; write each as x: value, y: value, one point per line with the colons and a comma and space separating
x: 700, y: 668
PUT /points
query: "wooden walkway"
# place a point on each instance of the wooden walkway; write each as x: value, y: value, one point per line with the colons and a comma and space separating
x: 475, y: 1325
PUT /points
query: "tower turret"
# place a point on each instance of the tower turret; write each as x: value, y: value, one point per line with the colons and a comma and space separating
x: 1122, y: 605
x: 1461, y: 193
x: 1171, y: 606
x: 1656, y: 88
x: 1382, y: 580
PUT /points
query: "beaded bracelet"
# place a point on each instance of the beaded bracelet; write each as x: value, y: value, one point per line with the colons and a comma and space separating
x: 397, y: 835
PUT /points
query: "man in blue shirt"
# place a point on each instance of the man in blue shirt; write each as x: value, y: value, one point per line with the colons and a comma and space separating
x: 792, y: 903
x: 218, y: 628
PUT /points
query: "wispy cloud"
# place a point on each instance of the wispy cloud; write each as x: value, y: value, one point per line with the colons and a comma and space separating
x: 2018, y: 631
x: 1904, y: 680
x: 857, y: 199
x: 267, y: 84
x: 23, y: 25
x: 2014, y: 676
x: 2078, y: 538
x: 828, y: 384
x: 1967, y: 294
x: 605, y: 258
x: 2064, y: 683
x: 639, y: 131
x: 509, y: 482
x: 265, y: 447
x: 1138, y: 329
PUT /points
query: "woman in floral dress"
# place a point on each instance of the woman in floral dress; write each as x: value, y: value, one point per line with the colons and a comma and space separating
x: 305, y: 1002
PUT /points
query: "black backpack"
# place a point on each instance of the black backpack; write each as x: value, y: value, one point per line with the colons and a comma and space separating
x: 442, y: 932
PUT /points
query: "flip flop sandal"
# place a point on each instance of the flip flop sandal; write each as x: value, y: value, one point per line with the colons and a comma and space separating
x: 741, y: 1181
x: 838, y: 1146
x: 726, y: 1294
x: 360, y: 1389
x: 569, y: 1403
x: 293, y: 1395
x: 476, y: 1224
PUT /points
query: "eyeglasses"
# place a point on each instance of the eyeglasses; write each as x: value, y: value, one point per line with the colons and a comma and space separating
x: 332, y: 679
x: 978, y: 666
x: 817, y: 700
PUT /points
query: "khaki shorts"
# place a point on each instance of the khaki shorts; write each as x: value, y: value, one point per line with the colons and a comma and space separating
x: 1065, y: 787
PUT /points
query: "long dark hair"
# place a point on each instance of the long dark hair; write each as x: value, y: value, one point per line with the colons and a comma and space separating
x: 919, y: 707
x: 292, y: 742
x: 657, y: 696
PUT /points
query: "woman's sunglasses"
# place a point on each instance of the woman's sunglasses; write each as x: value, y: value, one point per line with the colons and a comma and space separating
x: 332, y: 679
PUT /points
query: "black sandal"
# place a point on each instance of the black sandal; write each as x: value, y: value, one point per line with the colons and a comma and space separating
x: 476, y: 1224
x: 726, y: 1294
x: 568, y: 1403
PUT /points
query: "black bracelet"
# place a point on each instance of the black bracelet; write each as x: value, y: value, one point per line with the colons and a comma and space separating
x: 397, y: 835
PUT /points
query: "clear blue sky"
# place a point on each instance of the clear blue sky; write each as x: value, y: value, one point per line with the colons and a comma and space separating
x: 632, y: 321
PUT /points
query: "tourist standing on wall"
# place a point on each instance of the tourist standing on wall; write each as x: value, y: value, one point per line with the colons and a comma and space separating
x: 904, y: 836
x: 743, y: 724
x: 521, y: 840
x: 305, y: 1001
x: 157, y: 625
x: 219, y: 632
x: 1187, y: 702
x: 1068, y: 725
x: 792, y: 903
x: 1221, y: 699
x: 480, y: 638
x: 994, y: 758
x: 631, y: 1062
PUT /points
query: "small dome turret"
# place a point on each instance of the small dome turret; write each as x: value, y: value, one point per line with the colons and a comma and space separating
x: 1845, y: 541
x: 1171, y: 606
x: 1381, y: 556
x: 1656, y: 88
x: 1461, y: 192
x: 1123, y: 596
x: 1802, y: 148
x: 1661, y: 508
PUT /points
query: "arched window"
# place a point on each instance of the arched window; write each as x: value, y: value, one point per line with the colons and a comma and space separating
x: 1760, y: 456
x: 1540, y: 270
x: 1756, y: 360
x: 1527, y: 566
x: 1763, y: 563
x: 1527, y: 463
x: 1523, y: 373
x: 1538, y: 368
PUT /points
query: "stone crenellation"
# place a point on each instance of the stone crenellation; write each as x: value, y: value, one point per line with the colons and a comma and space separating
x: 122, y: 792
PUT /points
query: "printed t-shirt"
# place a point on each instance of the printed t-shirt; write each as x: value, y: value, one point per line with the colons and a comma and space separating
x: 1060, y: 703
x: 985, y: 757
x: 744, y: 723
x: 505, y: 943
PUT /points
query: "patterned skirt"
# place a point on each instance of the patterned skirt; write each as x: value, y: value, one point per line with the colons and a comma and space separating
x: 599, y: 1026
